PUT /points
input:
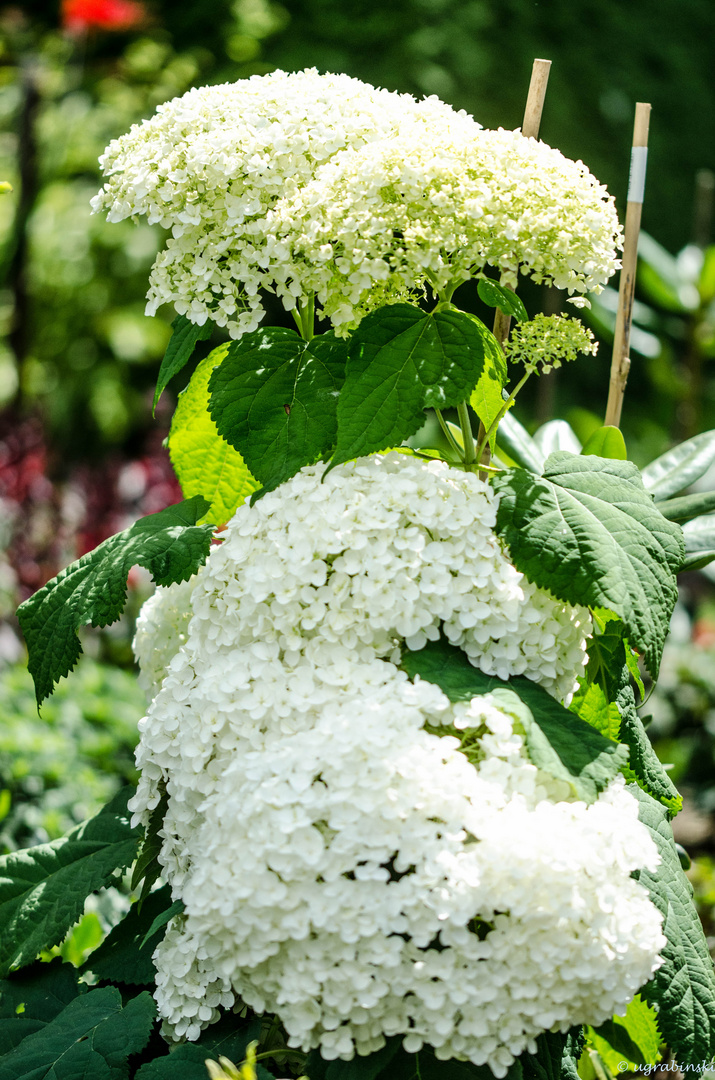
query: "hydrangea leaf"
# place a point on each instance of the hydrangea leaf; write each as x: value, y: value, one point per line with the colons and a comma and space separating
x: 186, y: 1061
x: 93, y: 590
x: 204, y: 463
x: 496, y: 296
x: 125, y: 955
x: 93, y: 1036
x: 645, y: 766
x: 43, y: 889
x: 606, y: 700
x: 274, y: 397
x: 420, y: 1066
x: 556, y: 740
x: 633, y: 1038
x: 588, y: 531
x: 683, y: 988
x: 487, y: 398
x: 179, y: 351
x: 163, y: 918
x: 402, y: 361
x: 30, y: 998
x: 556, y: 1056
x: 368, y: 1067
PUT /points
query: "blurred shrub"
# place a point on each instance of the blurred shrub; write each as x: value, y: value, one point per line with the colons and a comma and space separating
x: 60, y: 768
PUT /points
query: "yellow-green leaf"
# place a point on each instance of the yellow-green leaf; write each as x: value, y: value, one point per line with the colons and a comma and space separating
x: 204, y: 462
x: 632, y: 1039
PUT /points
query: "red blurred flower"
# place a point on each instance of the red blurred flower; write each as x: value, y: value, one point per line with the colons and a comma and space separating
x: 79, y: 16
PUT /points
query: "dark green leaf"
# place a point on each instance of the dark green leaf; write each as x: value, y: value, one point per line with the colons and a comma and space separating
x: 519, y: 444
x: 179, y: 351
x: 606, y: 442
x: 557, y: 741
x: 644, y: 762
x: 125, y: 954
x: 147, y: 868
x: 487, y: 398
x: 589, y: 533
x: 677, y: 469
x: 364, y: 1068
x: 91, y: 1039
x: 595, y: 700
x: 506, y: 300
x: 274, y: 399
x: 556, y: 1056
x: 687, y: 507
x: 683, y: 989
x: 162, y: 919
x: 425, y: 1066
x: 93, y: 590
x: 43, y: 889
x: 402, y: 361
x: 227, y: 1038
x: 204, y: 463
x: 30, y: 998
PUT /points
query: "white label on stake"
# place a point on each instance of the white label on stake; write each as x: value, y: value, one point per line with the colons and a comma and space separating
x: 636, y: 180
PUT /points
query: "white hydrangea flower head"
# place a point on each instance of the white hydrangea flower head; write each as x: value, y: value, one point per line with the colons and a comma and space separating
x: 341, y: 863
x: 211, y: 166
x: 439, y: 209
x: 160, y: 632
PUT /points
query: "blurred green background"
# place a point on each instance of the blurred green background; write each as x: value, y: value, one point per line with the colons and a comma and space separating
x: 80, y: 456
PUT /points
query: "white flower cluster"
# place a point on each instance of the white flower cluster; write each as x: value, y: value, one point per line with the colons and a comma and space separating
x: 340, y: 863
x: 213, y: 164
x: 320, y: 184
x: 400, y: 213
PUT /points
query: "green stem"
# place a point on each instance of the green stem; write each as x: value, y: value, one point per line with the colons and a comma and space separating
x: 283, y: 1051
x: 304, y: 315
x: 470, y: 456
x: 449, y: 436
x: 501, y: 414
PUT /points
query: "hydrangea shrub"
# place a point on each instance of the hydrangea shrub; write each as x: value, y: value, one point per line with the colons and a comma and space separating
x: 392, y: 774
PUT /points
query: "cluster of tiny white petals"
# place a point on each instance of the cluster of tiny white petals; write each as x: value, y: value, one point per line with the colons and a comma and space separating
x: 439, y: 210
x: 213, y: 164
x: 343, y: 863
x: 309, y: 184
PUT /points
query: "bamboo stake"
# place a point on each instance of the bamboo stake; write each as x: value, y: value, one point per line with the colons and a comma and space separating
x: 621, y: 362
x: 530, y: 128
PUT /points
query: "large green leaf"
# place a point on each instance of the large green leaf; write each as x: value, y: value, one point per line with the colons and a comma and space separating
x: 677, y: 469
x: 43, y: 889
x: 683, y: 989
x: 204, y: 463
x: 93, y: 590
x: 605, y: 699
x: 557, y: 741
x: 633, y: 1038
x: 227, y: 1038
x: 556, y: 1056
x: 124, y: 956
x: 179, y: 350
x: 402, y: 361
x: 487, y: 398
x: 589, y: 533
x: 30, y: 998
x: 91, y: 1039
x: 274, y: 399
